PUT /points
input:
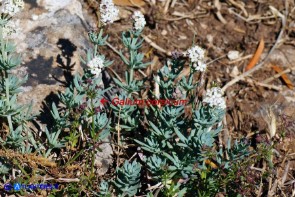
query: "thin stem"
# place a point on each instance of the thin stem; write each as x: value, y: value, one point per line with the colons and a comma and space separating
x: 93, y: 125
x: 92, y: 162
x: 6, y: 76
x: 95, y: 50
x: 75, y: 157
x: 119, y: 136
x: 7, y: 89
x: 131, y: 75
x: 21, y: 168
x: 10, y: 123
x: 48, y: 152
x: 9, y: 120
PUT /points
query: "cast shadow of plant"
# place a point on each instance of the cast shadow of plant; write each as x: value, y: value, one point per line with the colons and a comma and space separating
x: 67, y: 51
x: 64, y: 60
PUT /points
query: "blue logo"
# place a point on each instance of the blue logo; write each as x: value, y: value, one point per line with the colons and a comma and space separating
x: 16, y: 186
x: 8, y: 187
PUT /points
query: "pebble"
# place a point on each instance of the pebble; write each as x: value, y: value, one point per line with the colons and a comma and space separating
x: 164, y: 32
x: 233, y: 55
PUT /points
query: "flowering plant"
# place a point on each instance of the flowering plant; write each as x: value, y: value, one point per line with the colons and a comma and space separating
x: 176, y: 153
x: 15, y: 115
x: 172, y: 145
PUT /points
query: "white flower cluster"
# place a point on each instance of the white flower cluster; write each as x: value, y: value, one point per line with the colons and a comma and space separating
x: 12, y: 7
x: 108, y: 12
x: 197, y: 56
x: 200, y: 66
x: 11, y: 29
x: 214, y: 98
x: 139, y: 20
x: 95, y: 65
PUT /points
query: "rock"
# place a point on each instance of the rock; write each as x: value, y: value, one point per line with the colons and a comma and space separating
x: 235, y: 72
x: 52, y: 38
x: 284, y: 58
x: 103, y: 159
x: 50, y: 46
x: 54, y: 34
x: 233, y: 55
x: 38, y: 95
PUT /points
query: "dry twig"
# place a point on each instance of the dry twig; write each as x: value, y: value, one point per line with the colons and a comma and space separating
x: 167, y: 6
x: 240, y: 59
x: 273, y: 87
x: 153, y: 44
x: 239, y: 5
x: 285, y: 174
x: 278, y: 75
x: 251, y: 17
x: 217, y: 5
x: 284, y: 77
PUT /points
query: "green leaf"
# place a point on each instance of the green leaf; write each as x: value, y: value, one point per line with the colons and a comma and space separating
x: 179, y: 134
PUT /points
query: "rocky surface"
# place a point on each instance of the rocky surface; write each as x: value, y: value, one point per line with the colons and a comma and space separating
x: 103, y: 159
x: 53, y: 36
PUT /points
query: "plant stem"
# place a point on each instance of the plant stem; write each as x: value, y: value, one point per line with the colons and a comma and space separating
x: 48, y: 152
x: 92, y: 163
x: 10, y: 123
x: 92, y: 124
x: 21, y: 168
x: 6, y: 76
x: 131, y: 75
x: 8, y: 101
x: 95, y: 50
x: 7, y: 89
x: 75, y: 157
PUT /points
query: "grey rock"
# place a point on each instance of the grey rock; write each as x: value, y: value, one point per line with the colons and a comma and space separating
x: 53, y: 37
x: 103, y: 159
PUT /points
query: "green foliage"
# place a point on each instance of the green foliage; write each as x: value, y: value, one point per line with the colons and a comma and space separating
x: 4, y: 166
x: 128, y: 178
x: 12, y: 114
x: 179, y: 154
x: 132, y: 43
x: 176, y: 147
x: 104, y: 189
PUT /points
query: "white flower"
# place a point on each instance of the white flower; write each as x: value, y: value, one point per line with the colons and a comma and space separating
x: 96, y: 65
x: 108, y: 12
x: 200, y: 66
x: 139, y: 20
x: 10, y: 29
x: 214, y: 98
x: 12, y: 7
x: 19, y: 3
x: 96, y: 71
x: 196, y: 54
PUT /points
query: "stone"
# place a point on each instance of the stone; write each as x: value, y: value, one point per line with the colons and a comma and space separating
x: 54, y: 34
x: 233, y: 55
x: 53, y: 37
x: 103, y: 158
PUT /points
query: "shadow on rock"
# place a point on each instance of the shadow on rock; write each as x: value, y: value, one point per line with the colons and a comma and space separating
x: 39, y: 70
x: 67, y: 51
x: 45, y: 116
